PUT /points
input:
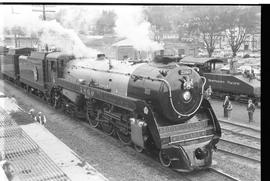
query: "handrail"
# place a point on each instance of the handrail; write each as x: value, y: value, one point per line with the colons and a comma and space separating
x: 171, y: 101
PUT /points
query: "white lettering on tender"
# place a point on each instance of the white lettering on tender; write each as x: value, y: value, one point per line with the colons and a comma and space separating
x: 216, y: 81
x: 222, y: 82
x: 233, y: 83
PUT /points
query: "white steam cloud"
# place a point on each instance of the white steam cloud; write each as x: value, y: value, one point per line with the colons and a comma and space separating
x: 79, y: 18
x: 131, y: 24
x: 48, y: 32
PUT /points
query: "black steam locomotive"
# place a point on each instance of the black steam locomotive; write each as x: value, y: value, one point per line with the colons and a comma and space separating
x: 154, y: 105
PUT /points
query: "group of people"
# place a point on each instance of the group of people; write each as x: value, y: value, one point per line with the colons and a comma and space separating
x: 227, y: 105
x: 249, y: 74
x: 38, y: 117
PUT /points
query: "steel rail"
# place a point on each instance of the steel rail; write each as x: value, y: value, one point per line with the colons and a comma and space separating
x: 240, y: 125
x: 239, y: 156
x: 220, y: 172
x: 242, y: 134
x: 240, y: 144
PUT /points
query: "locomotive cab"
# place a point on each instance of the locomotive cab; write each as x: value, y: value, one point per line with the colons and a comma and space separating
x: 56, y: 64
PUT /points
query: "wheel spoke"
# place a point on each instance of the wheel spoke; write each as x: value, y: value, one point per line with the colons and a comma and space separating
x: 108, y: 128
x: 164, y: 159
x: 125, y: 139
x: 92, y: 119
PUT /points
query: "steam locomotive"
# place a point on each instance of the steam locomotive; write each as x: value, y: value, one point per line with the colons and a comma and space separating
x: 156, y: 106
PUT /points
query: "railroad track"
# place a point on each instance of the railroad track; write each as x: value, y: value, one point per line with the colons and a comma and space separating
x: 210, y: 173
x: 237, y: 125
x: 240, y: 156
x: 223, y: 174
x: 240, y: 150
x: 240, y: 141
x: 249, y: 136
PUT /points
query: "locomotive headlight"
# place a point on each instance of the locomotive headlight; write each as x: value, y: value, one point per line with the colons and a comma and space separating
x: 186, y: 95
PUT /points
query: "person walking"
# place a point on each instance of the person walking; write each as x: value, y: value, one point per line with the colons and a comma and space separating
x: 225, y: 106
x: 250, y: 109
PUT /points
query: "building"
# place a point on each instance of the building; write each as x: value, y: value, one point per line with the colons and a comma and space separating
x: 15, y: 41
x: 124, y: 49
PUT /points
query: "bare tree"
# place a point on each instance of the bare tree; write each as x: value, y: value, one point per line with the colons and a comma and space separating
x: 238, y: 22
x: 17, y: 31
x: 206, y: 24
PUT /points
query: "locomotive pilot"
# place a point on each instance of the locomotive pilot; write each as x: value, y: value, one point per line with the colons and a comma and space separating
x: 250, y: 109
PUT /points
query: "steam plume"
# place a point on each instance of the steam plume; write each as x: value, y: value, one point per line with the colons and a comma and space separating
x: 48, y: 32
x: 131, y: 24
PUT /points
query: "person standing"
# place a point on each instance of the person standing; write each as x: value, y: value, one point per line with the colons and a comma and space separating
x: 56, y: 100
x: 250, y: 109
x: 229, y: 109
x: 209, y: 92
x: 41, y: 118
x: 32, y: 113
x: 225, y: 106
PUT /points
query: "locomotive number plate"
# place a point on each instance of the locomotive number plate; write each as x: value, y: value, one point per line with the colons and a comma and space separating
x: 184, y: 72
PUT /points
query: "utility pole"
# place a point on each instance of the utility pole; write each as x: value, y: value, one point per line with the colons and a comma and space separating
x: 15, y: 35
x: 43, y: 18
x: 43, y: 12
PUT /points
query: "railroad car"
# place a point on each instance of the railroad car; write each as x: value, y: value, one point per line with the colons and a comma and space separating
x: 9, y: 62
x: 3, y: 52
x: 237, y: 86
x: 157, y: 106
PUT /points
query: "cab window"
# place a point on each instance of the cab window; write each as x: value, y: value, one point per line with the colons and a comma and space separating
x: 53, y: 66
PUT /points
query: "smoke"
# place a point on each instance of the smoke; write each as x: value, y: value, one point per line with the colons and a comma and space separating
x: 48, y: 32
x: 80, y: 18
x: 131, y: 23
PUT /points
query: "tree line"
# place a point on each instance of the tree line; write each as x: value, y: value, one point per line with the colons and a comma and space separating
x: 205, y: 23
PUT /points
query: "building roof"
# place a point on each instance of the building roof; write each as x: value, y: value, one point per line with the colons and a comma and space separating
x: 125, y: 42
x: 199, y: 60
x: 56, y: 55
